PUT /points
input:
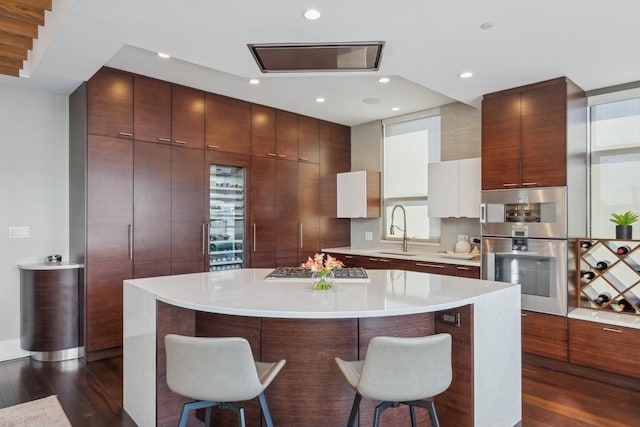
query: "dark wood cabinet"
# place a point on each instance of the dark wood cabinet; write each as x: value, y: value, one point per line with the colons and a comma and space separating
x: 286, y: 135
x: 188, y: 222
x: 151, y: 110
x: 469, y: 271
x: 263, y: 212
x: 545, y: 335
x: 308, y: 139
x: 434, y: 267
x: 187, y: 116
x: 263, y: 131
x: 526, y: 133
x: 110, y: 104
x: 286, y: 201
x: 381, y: 263
x: 228, y: 124
x: 151, y: 209
x: 609, y: 348
x: 308, y: 211
x: 109, y: 256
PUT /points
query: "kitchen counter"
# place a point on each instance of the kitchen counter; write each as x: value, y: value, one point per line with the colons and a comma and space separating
x: 156, y: 306
x: 410, y: 255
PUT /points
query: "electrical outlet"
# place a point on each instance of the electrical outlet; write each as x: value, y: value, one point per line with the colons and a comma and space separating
x: 368, y: 235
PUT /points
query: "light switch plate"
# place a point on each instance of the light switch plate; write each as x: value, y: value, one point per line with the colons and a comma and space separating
x: 368, y: 235
x: 19, y: 232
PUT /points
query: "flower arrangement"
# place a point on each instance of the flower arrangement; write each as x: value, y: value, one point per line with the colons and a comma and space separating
x: 322, y: 269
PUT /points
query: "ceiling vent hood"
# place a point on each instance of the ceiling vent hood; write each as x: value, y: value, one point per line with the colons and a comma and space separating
x: 297, y: 58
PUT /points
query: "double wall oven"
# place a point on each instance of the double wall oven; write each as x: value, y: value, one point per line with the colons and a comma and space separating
x: 524, y: 241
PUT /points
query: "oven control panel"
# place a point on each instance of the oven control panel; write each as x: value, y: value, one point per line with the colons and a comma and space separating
x: 519, y: 244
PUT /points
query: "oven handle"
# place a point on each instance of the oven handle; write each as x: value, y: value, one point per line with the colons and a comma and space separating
x: 483, y: 213
x: 521, y: 253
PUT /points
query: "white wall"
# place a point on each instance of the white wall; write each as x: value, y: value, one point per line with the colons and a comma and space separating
x: 33, y: 191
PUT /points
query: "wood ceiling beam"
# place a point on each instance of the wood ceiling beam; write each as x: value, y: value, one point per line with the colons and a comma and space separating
x: 41, y: 4
x: 15, y: 72
x: 11, y: 51
x: 10, y: 62
x: 23, y: 12
x: 16, y: 40
x: 18, y: 27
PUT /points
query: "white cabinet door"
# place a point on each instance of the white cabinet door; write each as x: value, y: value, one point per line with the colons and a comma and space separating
x: 469, y: 173
x: 454, y: 189
x: 443, y: 189
x: 358, y: 194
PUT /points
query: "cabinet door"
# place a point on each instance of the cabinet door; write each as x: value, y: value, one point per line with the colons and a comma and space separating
x: 308, y: 139
x: 228, y: 124
x: 188, y: 220
x: 378, y: 263
x: 263, y: 212
x: 187, y: 116
x: 501, y: 142
x: 286, y: 135
x: 468, y: 271
x: 434, y: 268
x: 469, y: 177
x: 545, y: 335
x: 152, y: 210
x: 151, y: 110
x: 288, y: 232
x: 109, y: 232
x: 443, y: 189
x: 335, y: 157
x: 308, y: 210
x: 544, y: 136
x: 110, y: 104
x: 263, y: 131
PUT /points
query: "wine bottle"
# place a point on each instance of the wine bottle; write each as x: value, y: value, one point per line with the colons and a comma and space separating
x: 585, y: 244
x: 587, y: 275
x: 602, y: 265
x: 603, y: 298
x: 626, y: 305
x: 623, y: 250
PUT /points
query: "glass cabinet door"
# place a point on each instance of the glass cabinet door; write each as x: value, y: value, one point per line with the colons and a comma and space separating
x: 227, y: 217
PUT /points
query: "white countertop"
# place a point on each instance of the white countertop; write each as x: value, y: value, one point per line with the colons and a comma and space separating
x: 410, y: 255
x: 245, y: 292
x: 50, y: 265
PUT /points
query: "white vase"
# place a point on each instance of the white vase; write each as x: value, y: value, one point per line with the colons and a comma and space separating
x: 462, y: 246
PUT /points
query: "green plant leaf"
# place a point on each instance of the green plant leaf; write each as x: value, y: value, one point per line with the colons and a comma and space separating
x: 626, y: 218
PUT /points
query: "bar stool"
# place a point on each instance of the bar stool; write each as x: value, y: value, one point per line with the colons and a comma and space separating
x: 400, y: 371
x: 217, y: 372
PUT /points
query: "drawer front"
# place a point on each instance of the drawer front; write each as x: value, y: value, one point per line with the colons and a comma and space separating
x: 468, y: 271
x: 378, y: 263
x: 545, y: 335
x: 610, y: 348
x: 434, y: 267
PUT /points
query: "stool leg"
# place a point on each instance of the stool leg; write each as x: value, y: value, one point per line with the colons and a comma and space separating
x: 376, y: 415
x: 184, y: 416
x: 354, y: 411
x: 265, y: 410
x: 412, y: 413
x: 432, y: 414
x: 207, y: 417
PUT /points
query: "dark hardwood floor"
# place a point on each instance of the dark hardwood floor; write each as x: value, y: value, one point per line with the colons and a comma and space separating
x: 91, y: 395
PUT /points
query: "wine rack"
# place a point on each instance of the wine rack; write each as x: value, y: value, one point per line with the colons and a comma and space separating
x: 609, y: 275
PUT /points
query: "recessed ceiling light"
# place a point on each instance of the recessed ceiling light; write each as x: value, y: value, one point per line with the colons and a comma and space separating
x: 384, y: 80
x: 254, y: 81
x: 486, y: 26
x: 319, y: 100
x: 465, y: 75
x: 395, y: 109
x: 164, y: 55
x: 312, y: 14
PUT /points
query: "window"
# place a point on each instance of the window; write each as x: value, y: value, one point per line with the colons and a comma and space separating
x: 409, y: 145
x: 615, y: 161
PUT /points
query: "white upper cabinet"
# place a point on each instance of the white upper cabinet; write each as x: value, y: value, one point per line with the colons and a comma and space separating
x: 358, y: 194
x: 454, y: 189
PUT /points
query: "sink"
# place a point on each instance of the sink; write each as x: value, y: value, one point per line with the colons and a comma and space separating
x: 398, y: 253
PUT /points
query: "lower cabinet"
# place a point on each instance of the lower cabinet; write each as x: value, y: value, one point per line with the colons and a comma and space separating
x: 545, y: 335
x: 379, y: 263
x: 434, y: 268
x: 607, y: 347
x: 470, y: 271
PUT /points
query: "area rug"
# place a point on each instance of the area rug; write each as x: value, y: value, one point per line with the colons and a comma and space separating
x: 45, y: 412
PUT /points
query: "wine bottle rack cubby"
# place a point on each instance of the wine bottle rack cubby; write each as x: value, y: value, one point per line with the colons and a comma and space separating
x: 609, y: 275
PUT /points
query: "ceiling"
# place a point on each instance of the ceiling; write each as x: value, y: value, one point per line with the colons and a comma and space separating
x: 427, y: 45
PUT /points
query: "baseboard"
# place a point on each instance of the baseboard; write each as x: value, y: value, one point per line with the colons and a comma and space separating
x: 10, y: 350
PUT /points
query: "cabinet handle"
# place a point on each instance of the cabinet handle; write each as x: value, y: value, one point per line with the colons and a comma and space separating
x: 523, y: 314
x: 373, y: 259
x: 463, y: 268
x: 419, y: 264
x: 253, y: 226
x: 529, y: 183
x: 164, y: 139
x: 130, y: 237
x: 125, y: 135
x: 304, y: 159
x: 282, y: 156
x: 349, y: 256
x: 483, y: 213
x: 300, y: 235
x: 205, y: 246
x: 509, y: 185
x: 272, y: 155
x: 215, y: 147
x: 617, y: 331
x: 382, y: 260
x: 177, y: 141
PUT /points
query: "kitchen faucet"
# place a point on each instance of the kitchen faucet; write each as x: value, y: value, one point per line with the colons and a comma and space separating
x: 404, y: 229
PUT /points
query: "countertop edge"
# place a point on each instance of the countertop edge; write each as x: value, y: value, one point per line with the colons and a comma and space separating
x: 420, y: 256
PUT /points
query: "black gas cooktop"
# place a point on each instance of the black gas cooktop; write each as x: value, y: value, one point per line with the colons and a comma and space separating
x: 347, y: 273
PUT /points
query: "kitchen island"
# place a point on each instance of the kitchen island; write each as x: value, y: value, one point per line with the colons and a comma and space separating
x: 288, y: 319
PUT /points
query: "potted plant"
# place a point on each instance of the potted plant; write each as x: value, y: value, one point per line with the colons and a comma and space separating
x: 623, y: 223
